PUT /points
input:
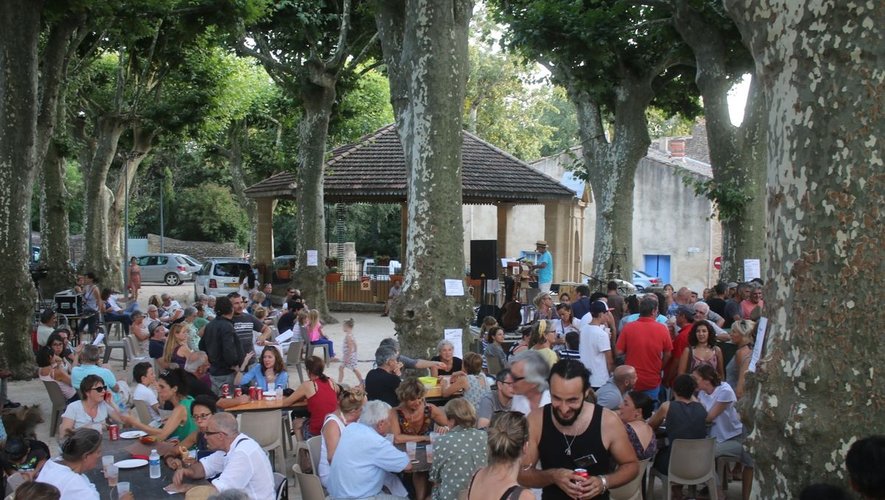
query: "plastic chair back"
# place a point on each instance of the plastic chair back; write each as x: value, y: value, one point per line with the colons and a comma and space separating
x: 314, y: 448
x: 59, y: 403
x: 692, y: 460
x: 264, y: 428
x: 295, y: 357
x: 144, y: 415
x: 633, y: 489
x: 494, y: 365
x: 311, y: 488
x: 281, y: 486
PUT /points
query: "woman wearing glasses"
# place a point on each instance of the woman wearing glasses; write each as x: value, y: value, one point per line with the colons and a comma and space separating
x: 172, y: 388
x: 202, y: 408
x: 52, y: 367
x: 91, y: 411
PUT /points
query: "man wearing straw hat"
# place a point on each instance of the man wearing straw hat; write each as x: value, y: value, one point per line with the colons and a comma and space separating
x: 544, y: 265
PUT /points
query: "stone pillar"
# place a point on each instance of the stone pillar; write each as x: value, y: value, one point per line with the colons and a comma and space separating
x: 559, y: 233
x: 504, y: 210
x: 264, y: 231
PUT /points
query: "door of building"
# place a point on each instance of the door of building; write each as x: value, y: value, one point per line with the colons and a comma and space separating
x: 658, y: 265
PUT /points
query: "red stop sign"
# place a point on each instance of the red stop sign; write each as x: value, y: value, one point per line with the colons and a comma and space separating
x: 717, y: 262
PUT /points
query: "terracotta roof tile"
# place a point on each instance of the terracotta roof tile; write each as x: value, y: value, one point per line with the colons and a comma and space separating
x: 373, y: 170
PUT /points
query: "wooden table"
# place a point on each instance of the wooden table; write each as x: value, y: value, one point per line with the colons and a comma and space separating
x: 299, y: 407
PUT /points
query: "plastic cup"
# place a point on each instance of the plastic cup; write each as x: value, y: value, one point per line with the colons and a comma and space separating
x: 271, y: 387
x: 122, y: 488
x: 433, y: 437
x: 428, y: 450
x: 106, y: 461
x: 112, y: 475
x: 410, y: 449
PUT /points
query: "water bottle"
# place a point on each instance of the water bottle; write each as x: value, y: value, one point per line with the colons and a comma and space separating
x: 154, y: 461
x: 279, y: 393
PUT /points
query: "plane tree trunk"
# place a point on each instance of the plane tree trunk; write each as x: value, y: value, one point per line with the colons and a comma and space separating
x: 19, y: 108
x: 425, y: 50
x: 819, y: 386
x: 737, y: 153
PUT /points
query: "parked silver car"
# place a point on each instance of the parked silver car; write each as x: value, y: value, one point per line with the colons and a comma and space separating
x: 168, y: 268
x: 219, y: 276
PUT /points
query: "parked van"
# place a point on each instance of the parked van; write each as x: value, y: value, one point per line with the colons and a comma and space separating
x: 381, y: 273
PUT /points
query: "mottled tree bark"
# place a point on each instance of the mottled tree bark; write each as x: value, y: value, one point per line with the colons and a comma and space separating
x: 820, y: 65
x: 425, y: 48
x: 142, y: 143
x: 55, y: 233
x: 234, y: 157
x: 318, y: 96
x: 97, y: 248
x: 611, y: 166
x: 20, y: 28
x: 737, y: 154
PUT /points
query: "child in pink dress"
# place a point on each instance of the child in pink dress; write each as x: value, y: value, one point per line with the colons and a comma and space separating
x: 315, y: 333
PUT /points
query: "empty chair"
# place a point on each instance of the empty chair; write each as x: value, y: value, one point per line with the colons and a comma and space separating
x: 311, y: 488
x: 691, y: 463
x: 264, y: 428
x: 114, y: 328
x: 325, y: 347
x: 59, y: 403
x: 116, y: 344
x: 295, y: 357
x: 633, y: 489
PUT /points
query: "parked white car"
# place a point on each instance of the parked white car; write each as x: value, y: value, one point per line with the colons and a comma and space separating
x: 219, y: 276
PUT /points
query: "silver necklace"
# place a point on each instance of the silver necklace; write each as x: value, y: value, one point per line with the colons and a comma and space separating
x: 568, y: 445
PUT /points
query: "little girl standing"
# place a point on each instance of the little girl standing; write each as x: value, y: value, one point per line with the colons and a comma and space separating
x: 349, y: 359
x: 315, y: 333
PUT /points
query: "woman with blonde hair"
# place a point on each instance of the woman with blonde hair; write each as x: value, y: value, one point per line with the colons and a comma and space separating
x: 176, y: 349
x: 458, y: 453
x: 508, y: 434
x: 350, y: 407
x: 541, y: 340
x: 742, y: 334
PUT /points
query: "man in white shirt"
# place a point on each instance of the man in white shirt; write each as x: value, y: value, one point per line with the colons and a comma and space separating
x: 529, y: 371
x: 595, y: 347
x: 239, y: 460
x: 365, y: 461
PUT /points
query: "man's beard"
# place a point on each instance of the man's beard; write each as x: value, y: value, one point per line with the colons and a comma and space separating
x: 568, y: 422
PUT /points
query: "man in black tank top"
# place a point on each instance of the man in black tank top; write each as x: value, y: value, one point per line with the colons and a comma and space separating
x: 570, y: 433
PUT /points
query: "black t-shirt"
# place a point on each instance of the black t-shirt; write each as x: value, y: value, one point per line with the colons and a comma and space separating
x: 717, y: 305
x: 382, y: 385
x: 456, y: 365
x: 245, y: 324
x: 286, y: 322
x: 155, y: 348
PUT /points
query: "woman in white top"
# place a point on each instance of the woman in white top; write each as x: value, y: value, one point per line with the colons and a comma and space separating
x: 80, y: 452
x: 719, y: 398
x: 92, y: 411
x: 350, y: 406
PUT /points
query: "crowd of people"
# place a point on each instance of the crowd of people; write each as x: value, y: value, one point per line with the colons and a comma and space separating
x: 597, y: 387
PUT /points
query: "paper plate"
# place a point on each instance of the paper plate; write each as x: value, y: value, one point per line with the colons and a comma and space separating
x: 132, y: 463
x: 132, y: 434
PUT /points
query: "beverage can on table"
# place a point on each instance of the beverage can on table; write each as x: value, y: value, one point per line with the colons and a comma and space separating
x: 238, y: 392
x: 225, y: 391
x: 252, y: 393
x: 114, y: 432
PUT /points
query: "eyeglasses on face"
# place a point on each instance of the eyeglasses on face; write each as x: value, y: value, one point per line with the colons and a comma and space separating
x: 202, y: 416
x: 517, y: 379
x: 98, y: 389
x: 212, y: 433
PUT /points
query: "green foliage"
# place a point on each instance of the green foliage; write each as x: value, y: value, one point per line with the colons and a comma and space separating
x: 209, y: 213
x: 364, y: 108
x: 662, y: 124
x: 376, y: 229
x: 730, y: 196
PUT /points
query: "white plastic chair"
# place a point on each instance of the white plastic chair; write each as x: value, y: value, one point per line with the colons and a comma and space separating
x: 264, y: 428
x: 633, y: 489
x: 310, y: 485
x: 691, y: 463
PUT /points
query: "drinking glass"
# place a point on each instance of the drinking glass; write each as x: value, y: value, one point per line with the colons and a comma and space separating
x: 113, y: 474
x: 428, y: 450
x: 105, y: 462
x: 122, y: 488
x: 410, y: 449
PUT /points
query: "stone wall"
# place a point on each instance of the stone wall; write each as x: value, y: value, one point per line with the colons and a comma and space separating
x: 199, y: 250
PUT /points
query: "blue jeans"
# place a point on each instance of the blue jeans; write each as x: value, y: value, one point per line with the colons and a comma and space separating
x: 653, y: 394
x: 322, y: 341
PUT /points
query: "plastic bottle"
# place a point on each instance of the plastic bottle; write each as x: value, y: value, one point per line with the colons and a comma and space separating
x: 154, y: 461
x: 279, y: 393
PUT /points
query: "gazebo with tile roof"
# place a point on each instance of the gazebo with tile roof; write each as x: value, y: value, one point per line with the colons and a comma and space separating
x: 373, y: 170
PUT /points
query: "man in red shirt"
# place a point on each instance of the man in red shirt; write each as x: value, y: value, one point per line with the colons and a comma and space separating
x: 749, y: 304
x: 684, y: 321
x: 647, y: 346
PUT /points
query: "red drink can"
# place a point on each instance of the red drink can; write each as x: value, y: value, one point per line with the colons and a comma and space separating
x: 238, y: 392
x: 114, y: 432
x: 225, y: 391
x: 582, y: 472
x: 252, y: 393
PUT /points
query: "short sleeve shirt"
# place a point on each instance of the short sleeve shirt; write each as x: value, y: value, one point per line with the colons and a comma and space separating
x: 489, y: 405
x: 77, y: 413
x: 382, y: 385
x: 245, y: 324
x: 644, y: 341
x: 456, y: 456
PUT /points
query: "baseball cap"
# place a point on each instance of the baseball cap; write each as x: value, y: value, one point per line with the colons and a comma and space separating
x: 153, y: 326
x: 599, y: 307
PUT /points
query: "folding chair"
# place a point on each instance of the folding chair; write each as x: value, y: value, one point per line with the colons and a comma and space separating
x: 691, y: 463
